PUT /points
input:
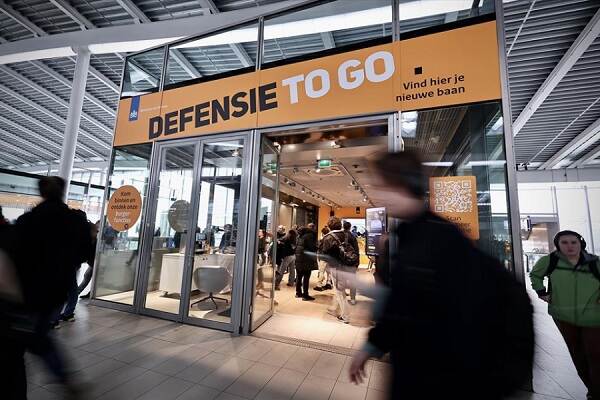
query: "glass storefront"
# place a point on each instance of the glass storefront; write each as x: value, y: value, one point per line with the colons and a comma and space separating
x: 199, y: 258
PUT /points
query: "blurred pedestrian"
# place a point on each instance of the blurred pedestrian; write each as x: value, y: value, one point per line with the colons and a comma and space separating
x: 286, y: 259
x: 89, y: 272
x: 306, y: 260
x: 3, y: 220
x: 573, y: 297
x: 52, y: 242
x: 455, y: 323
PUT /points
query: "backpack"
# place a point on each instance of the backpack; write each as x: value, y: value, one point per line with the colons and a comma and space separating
x: 347, y: 255
x: 554, y: 263
x: 505, y: 325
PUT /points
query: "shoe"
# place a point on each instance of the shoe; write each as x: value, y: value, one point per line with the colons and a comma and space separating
x: 68, y: 318
x: 298, y: 295
x: 55, y: 325
x: 277, y: 288
x: 85, y: 296
x: 343, y: 320
x: 308, y: 298
x: 327, y: 287
x: 290, y: 284
x: 332, y: 312
x: 353, y: 302
x: 318, y: 288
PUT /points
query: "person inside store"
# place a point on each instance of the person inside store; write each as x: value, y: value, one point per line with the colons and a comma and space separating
x: 226, y: 239
x: 352, y: 269
x: 573, y: 297
x: 330, y: 251
x: 324, y: 277
x: 355, y: 231
x: 286, y: 258
x: 440, y: 318
x: 306, y: 260
x: 51, y: 242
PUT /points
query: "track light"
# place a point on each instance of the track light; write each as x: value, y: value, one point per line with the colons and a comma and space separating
x: 353, y: 183
x: 303, y: 189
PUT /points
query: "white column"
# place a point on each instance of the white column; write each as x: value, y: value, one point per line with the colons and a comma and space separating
x: 67, y: 155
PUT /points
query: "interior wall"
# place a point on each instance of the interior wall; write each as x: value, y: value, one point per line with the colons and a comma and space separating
x: 344, y: 212
x: 285, y: 216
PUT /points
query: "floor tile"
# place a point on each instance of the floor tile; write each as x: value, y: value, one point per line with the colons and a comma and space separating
x: 225, y: 375
x: 135, y: 387
x: 114, y: 379
x: 256, y: 350
x: 315, y: 388
x: 282, y: 386
x: 253, y: 380
x: 279, y: 354
x: 329, y: 365
x: 199, y: 392
x: 303, y: 360
x: 168, y: 390
x: 180, y: 361
x: 348, y: 391
x: 203, y: 367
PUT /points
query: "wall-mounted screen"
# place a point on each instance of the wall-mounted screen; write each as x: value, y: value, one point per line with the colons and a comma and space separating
x: 376, y: 225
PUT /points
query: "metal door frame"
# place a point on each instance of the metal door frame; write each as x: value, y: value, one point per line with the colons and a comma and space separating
x: 394, y: 144
x: 150, y: 219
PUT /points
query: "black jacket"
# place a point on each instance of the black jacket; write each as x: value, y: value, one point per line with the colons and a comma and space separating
x: 329, y: 246
x: 306, y: 250
x: 427, y: 324
x: 53, y: 241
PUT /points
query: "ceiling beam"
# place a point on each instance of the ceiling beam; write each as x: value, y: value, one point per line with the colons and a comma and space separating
x: 328, y: 40
x: 581, y: 141
x: 39, y: 139
x: 72, y: 13
x: 43, y: 67
x: 44, y: 127
x: 54, y: 97
x: 15, y: 149
x: 140, y: 17
x: 237, y: 48
x: 21, y: 19
x: 52, y: 115
x: 579, y: 46
x: 586, y: 159
x: 126, y: 38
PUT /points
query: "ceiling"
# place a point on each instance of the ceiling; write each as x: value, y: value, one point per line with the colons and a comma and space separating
x: 553, y: 58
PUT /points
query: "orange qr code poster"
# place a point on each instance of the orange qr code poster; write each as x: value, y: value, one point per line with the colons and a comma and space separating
x: 455, y: 198
x: 124, y: 208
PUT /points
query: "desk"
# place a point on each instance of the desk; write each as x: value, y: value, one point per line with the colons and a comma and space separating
x: 171, y: 273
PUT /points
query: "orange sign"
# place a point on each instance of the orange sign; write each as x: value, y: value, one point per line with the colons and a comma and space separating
x: 452, y: 67
x: 455, y: 198
x: 124, y: 208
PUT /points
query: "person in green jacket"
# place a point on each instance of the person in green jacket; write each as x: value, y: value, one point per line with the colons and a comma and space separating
x: 573, y: 298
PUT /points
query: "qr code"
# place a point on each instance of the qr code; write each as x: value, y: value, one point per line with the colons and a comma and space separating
x: 453, y: 196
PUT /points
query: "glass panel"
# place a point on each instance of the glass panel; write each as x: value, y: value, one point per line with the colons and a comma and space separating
x: 167, y: 261
x: 466, y: 142
x: 326, y: 26
x: 415, y: 15
x: 118, y: 251
x: 216, y: 236
x: 263, y: 296
x: 594, y: 204
x: 572, y: 211
x: 213, y: 55
x: 142, y: 72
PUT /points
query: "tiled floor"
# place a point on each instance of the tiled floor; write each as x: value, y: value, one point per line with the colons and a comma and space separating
x: 124, y: 356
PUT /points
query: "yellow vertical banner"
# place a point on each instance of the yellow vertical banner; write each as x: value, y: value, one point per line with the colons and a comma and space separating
x: 455, y: 198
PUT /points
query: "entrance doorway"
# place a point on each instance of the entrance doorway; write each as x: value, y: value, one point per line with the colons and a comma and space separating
x: 308, y: 175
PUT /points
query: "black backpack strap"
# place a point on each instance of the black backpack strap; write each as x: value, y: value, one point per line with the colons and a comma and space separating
x: 594, y: 269
x: 552, y: 265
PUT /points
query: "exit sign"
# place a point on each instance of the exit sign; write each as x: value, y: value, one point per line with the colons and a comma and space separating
x: 324, y: 163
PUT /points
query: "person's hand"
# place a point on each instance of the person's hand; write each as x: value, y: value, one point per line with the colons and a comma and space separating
x: 357, y: 368
x: 545, y: 298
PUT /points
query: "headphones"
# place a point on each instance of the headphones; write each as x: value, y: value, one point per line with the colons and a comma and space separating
x: 569, y: 233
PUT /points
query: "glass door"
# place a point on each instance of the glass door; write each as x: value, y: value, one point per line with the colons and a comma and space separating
x: 213, y: 283
x: 263, y: 295
x: 167, y: 236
